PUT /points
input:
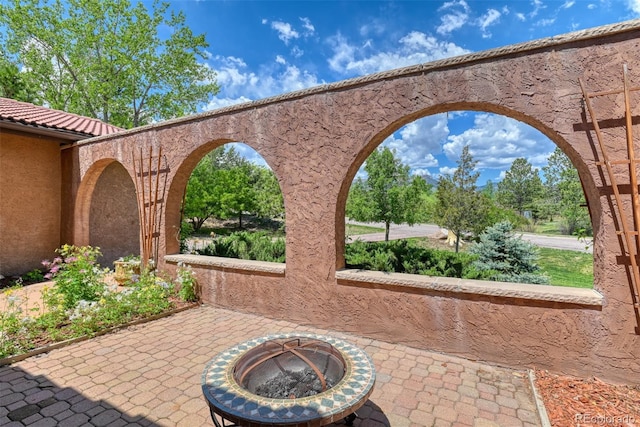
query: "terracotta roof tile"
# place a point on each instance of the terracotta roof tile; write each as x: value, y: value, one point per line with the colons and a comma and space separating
x: 34, y: 115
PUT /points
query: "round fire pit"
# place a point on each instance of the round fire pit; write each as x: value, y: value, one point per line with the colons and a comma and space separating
x: 288, y: 380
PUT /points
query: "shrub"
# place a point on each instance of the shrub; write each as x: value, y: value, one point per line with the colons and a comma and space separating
x: 76, y: 274
x: 505, y: 257
x: 186, y: 279
x: 258, y: 246
x: 403, y: 256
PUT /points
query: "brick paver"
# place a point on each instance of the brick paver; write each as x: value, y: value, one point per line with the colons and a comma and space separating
x: 150, y: 375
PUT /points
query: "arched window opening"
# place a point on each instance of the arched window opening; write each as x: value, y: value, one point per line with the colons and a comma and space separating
x: 233, y: 207
x: 473, y: 195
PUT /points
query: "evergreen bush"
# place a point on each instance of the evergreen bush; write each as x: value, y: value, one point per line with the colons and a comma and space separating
x: 405, y: 256
x: 505, y: 257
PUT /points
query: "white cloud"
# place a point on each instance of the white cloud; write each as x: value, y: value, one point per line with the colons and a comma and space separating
x: 238, y: 85
x: 447, y: 170
x: 490, y: 18
x: 451, y: 22
x: 634, y: 6
x: 545, y: 22
x: 457, y: 15
x: 521, y: 17
x: 414, y: 48
x: 418, y: 142
x: 285, y: 31
x: 217, y: 102
x: 567, y: 4
x: 308, y: 27
x: 496, y: 141
x: 296, y: 52
x: 537, y: 7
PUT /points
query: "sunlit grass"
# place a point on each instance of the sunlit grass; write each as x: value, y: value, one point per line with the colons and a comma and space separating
x: 353, y: 229
x: 567, y: 268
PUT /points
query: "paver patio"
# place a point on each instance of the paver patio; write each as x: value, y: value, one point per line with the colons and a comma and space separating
x: 149, y: 375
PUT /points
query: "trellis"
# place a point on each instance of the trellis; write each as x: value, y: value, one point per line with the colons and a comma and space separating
x: 630, y: 232
x: 151, y: 178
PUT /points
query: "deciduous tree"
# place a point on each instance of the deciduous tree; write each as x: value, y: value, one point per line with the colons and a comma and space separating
x: 108, y: 59
x: 388, y: 194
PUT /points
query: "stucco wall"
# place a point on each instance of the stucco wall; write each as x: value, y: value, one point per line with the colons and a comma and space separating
x: 316, y: 140
x: 113, y: 219
x: 29, y: 201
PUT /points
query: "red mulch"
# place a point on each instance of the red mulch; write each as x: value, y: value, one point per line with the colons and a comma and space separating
x: 572, y: 401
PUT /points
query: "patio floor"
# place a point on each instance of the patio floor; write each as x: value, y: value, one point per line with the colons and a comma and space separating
x: 149, y: 375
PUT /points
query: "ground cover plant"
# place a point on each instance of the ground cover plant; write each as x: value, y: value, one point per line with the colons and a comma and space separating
x: 81, y: 302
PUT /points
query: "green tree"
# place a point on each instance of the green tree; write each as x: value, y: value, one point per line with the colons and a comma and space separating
x: 507, y: 258
x: 520, y: 187
x: 199, y: 201
x: 460, y: 206
x: 564, y: 191
x: 233, y: 193
x: 106, y: 59
x: 388, y: 194
x: 269, y: 200
x: 12, y: 82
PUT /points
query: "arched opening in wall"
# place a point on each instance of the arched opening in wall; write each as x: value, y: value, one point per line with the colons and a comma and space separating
x: 114, y: 224
x: 233, y: 207
x: 473, y: 195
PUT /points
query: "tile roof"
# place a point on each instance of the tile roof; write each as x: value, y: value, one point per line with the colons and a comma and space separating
x: 37, y: 116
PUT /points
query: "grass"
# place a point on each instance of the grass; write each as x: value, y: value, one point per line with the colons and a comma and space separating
x: 353, y: 229
x: 564, y: 268
x: 567, y: 268
x: 549, y: 228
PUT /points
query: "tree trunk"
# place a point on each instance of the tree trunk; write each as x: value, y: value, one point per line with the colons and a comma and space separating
x: 387, y: 225
x: 240, y: 220
x: 457, y: 242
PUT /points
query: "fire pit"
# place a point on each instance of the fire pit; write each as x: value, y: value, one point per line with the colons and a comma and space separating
x: 288, y: 380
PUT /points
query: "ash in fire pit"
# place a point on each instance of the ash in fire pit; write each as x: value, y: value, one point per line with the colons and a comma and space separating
x: 292, y: 385
x: 290, y: 368
x: 273, y: 381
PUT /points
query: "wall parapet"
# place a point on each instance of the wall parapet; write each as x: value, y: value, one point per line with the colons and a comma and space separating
x: 412, y: 283
x: 220, y: 263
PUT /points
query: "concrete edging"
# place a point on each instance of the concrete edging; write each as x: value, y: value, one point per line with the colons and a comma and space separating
x: 542, y: 412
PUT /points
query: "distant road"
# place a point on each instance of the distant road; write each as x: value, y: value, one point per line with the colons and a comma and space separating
x: 404, y: 231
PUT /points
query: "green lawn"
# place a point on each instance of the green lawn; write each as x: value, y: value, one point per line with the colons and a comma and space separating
x: 567, y: 268
x: 353, y: 229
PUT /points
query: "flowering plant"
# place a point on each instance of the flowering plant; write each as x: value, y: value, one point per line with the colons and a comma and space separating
x: 188, y: 284
x: 76, y: 274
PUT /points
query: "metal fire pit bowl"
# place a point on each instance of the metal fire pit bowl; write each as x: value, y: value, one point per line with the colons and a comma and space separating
x: 236, y: 381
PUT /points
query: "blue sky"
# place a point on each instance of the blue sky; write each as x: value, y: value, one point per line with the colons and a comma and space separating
x: 266, y: 48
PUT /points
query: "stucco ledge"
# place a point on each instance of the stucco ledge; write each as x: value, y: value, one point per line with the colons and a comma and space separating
x: 412, y: 283
x: 220, y: 263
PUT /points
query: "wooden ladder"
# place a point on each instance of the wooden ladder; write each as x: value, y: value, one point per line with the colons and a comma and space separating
x: 150, y: 191
x: 630, y: 244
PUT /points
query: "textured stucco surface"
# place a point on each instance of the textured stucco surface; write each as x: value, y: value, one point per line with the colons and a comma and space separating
x: 29, y: 201
x: 316, y: 140
x: 114, y: 224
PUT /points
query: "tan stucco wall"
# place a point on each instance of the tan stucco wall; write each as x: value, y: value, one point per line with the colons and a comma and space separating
x: 114, y: 225
x: 29, y: 201
x: 316, y: 140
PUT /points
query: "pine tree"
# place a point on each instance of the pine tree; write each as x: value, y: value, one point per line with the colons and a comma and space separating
x: 509, y: 258
x: 460, y: 206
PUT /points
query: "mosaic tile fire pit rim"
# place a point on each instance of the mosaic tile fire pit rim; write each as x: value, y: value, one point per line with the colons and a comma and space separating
x: 227, y: 398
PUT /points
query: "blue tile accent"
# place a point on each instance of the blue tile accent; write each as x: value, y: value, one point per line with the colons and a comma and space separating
x: 225, y: 395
